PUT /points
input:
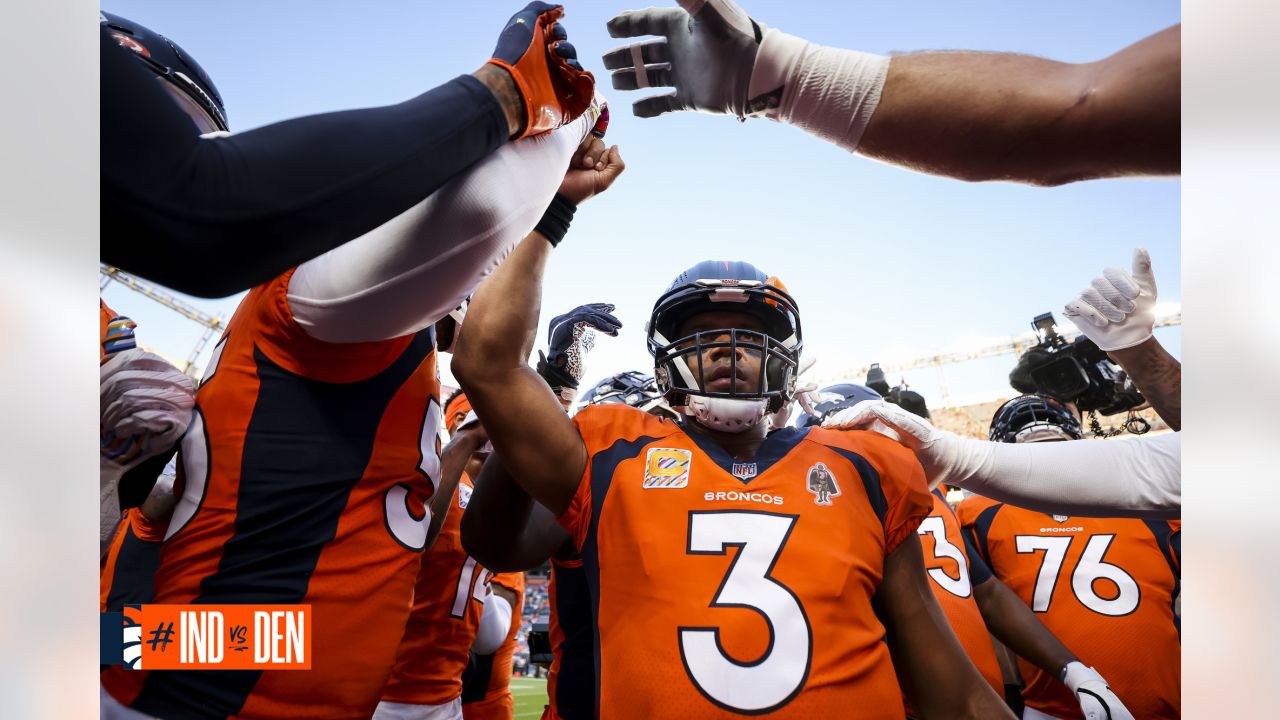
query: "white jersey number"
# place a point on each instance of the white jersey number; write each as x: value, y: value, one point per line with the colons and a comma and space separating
x: 1090, y: 568
x: 469, y: 585
x: 409, y: 531
x: 768, y: 682
x: 962, y: 586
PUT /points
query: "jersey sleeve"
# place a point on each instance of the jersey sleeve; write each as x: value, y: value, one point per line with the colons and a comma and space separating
x: 286, y: 343
x: 902, y: 480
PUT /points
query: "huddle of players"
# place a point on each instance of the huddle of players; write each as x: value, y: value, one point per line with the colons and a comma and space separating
x: 729, y: 566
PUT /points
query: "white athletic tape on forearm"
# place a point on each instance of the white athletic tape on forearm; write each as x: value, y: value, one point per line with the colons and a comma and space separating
x: 642, y: 78
x: 828, y: 92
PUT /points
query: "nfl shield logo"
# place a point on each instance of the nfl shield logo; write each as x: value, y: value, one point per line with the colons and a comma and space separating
x: 744, y: 471
x: 1061, y: 518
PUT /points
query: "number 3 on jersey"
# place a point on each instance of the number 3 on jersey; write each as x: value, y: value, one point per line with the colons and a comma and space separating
x: 937, y: 528
x: 768, y: 682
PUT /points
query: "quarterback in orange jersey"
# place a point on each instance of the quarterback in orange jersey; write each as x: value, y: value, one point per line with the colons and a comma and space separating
x: 723, y: 581
x: 1106, y: 587
x: 486, y: 687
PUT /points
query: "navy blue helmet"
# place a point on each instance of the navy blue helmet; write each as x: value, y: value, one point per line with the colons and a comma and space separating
x: 181, y: 75
x: 722, y: 285
x: 1034, y: 418
x: 631, y: 388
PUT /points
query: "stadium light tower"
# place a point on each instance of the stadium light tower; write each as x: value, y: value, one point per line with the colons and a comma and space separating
x: 213, y: 325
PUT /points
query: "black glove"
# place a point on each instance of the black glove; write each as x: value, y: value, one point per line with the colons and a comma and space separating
x: 569, y: 337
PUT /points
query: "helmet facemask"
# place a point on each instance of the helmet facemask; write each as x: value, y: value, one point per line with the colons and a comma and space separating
x: 683, y: 373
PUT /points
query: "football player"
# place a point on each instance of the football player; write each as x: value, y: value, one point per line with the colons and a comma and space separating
x: 720, y: 586
x: 187, y: 204
x: 1105, y: 587
x: 972, y: 598
x: 486, y: 685
x: 314, y: 450
x: 571, y: 677
x: 986, y: 116
x: 452, y: 603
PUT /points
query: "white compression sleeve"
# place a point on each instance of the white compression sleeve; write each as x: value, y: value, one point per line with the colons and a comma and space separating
x: 495, y: 623
x: 410, y: 272
x: 828, y: 92
x: 1140, y: 478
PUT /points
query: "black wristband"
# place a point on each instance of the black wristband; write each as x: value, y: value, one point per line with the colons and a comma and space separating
x: 557, y: 377
x: 555, y: 221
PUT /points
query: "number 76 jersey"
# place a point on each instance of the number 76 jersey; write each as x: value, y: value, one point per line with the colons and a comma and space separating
x: 724, y: 588
x: 1105, y: 587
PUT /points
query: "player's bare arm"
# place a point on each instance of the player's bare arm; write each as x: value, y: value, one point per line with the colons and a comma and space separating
x: 525, y: 421
x: 453, y: 460
x: 967, y: 115
x: 936, y: 673
x: 1001, y: 116
x: 1158, y: 375
x: 503, y: 528
x: 1014, y: 624
x: 523, y: 417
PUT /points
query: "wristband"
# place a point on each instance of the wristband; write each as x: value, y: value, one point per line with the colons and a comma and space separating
x: 555, y: 221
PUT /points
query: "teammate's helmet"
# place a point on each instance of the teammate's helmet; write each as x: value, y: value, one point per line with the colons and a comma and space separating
x: 833, y: 399
x: 716, y: 285
x: 631, y: 388
x: 179, y: 73
x: 1034, y: 418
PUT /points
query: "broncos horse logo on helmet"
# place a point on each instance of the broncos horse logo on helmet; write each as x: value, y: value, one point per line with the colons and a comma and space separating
x: 833, y: 398
x: 726, y: 286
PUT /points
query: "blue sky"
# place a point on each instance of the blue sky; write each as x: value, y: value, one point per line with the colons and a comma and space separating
x: 883, y: 262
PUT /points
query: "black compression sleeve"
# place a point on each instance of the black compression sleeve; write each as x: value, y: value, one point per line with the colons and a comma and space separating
x: 214, y: 217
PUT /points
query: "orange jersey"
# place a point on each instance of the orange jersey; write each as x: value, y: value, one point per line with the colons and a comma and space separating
x: 1105, y: 587
x: 722, y: 587
x: 447, y: 602
x: 127, y: 576
x: 571, y: 679
x: 304, y: 479
x: 487, y: 684
x: 949, y: 570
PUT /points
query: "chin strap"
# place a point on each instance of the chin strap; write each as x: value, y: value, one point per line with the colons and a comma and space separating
x: 725, y: 414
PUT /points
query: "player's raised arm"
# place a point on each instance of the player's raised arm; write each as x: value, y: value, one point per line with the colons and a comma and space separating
x: 968, y: 115
x: 525, y: 421
x: 504, y: 529
x: 938, y: 676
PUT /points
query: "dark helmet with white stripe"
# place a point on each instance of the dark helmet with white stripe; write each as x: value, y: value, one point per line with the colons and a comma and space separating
x: 178, y: 72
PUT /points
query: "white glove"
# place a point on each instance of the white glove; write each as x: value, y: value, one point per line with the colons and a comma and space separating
x: 939, y: 451
x: 1097, y: 702
x: 706, y: 52
x: 1118, y: 310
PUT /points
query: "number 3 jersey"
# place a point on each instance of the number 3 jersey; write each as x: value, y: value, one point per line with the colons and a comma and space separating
x: 1105, y: 587
x: 303, y: 479
x: 724, y: 588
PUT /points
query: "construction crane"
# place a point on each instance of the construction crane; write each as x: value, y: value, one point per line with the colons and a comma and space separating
x: 1013, y: 346
x: 213, y: 325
